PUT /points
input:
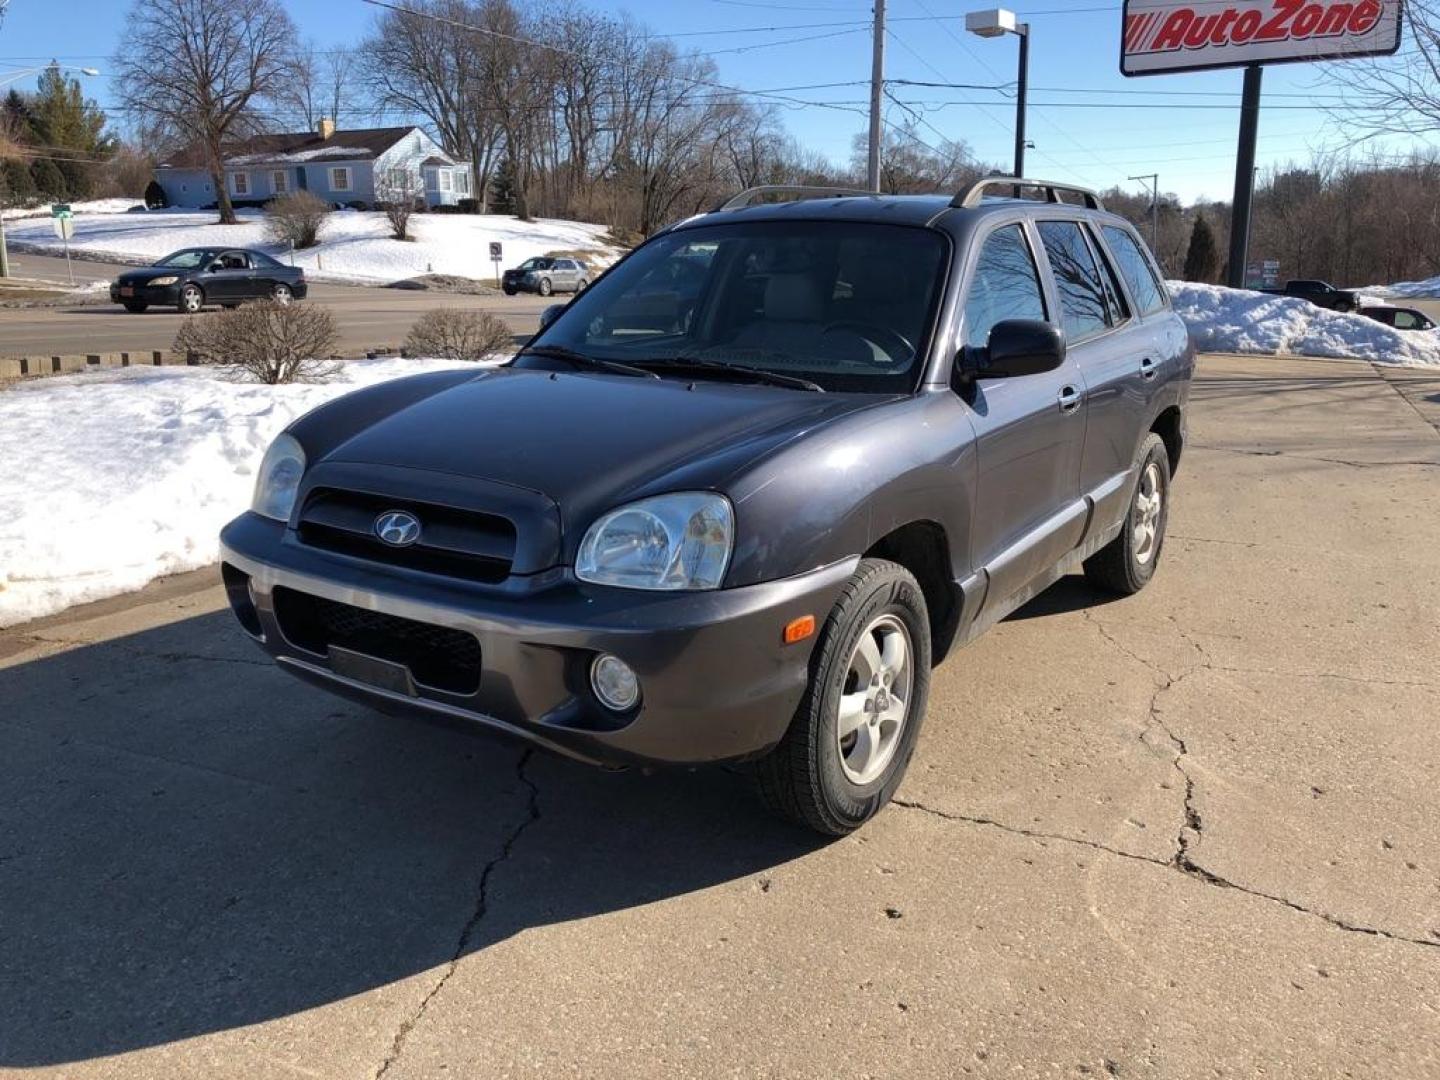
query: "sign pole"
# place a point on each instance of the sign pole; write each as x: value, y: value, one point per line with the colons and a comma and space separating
x: 1244, y: 176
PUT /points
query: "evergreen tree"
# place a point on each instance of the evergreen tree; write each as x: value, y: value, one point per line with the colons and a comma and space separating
x: 502, y: 188
x: 48, y: 179
x: 1201, y: 257
x: 69, y: 127
x: 16, y: 186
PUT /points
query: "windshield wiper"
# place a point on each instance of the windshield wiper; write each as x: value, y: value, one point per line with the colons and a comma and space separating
x: 579, y: 359
x: 702, y: 364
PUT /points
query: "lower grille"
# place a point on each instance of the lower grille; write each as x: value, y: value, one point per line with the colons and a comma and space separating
x: 438, y: 657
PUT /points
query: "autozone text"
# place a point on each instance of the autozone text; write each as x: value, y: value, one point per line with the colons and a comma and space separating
x: 1286, y: 20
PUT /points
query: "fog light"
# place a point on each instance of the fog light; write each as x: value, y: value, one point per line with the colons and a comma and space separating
x: 614, y: 682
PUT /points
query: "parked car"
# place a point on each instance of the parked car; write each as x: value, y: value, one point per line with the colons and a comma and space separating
x: 1401, y: 318
x: 1319, y: 293
x: 887, y: 423
x: 545, y: 275
x: 193, y: 277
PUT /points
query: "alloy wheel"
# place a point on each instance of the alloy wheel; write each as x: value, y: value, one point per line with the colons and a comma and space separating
x: 875, y: 700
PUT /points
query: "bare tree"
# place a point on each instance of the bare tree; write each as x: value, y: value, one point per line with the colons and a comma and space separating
x: 196, y: 69
x: 459, y: 334
x: 398, y: 193
x: 1394, y: 95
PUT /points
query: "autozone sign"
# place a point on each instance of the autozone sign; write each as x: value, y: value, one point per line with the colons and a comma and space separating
x: 1175, y: 35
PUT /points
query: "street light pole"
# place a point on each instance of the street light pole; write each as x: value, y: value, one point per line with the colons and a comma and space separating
x: 1154, y: 179
x: 996, y: 22
x: 877, y: 86
x: 15, y: 76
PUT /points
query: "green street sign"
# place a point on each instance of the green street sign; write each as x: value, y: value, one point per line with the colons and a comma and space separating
x: 60, y: 209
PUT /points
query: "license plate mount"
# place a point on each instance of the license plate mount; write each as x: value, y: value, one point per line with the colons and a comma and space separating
x: 127, y: 290
x: 382, y: 674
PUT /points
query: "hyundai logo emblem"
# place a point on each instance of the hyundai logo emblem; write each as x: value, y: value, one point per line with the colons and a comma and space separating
x: 397, y: 528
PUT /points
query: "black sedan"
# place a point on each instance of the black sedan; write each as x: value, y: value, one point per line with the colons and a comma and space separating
x: 193, y: 277
x: 1401, y: 318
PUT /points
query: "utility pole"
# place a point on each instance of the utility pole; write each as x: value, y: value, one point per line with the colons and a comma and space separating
x: 1154, y: 179
x: 1021, y: 84
x: 877, y: 86
x: 1244, y: 176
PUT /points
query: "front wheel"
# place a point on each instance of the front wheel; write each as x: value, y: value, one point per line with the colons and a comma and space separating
x: 850, y: 742
x: 545, y: 287
x: 191, y: 300
x: 1127, y: 563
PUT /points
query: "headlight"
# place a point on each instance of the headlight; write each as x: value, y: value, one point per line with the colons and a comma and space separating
x: 279, y: 479
x: 679, y: 541
x: 168, y: 279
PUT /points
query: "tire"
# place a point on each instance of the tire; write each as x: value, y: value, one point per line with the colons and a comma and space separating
x: 545, y: 287
x: 192, y: 299
x: 135, y: 306
x: 509, y: 291
x: 1344, y: 307
x: 1127, y: 563
x: 581, y: 286
x: 811, y: 776
x: 281, y: 294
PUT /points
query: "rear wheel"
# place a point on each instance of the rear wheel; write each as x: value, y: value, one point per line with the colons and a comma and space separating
x: 281, y: 294
x: 581, y: 285
x: 850, y: 742
x: 1344, y: 307
x: 545, y: 287
x: 1127, y: 563
x: 192, y: 299
x: 135, y: 306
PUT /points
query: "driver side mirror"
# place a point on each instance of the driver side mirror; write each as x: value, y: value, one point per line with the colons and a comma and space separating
x: 550, y: 314
x: 1015, y: 347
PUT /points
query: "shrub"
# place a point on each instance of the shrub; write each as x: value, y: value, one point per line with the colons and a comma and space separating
x: 468, y: 206
x: 155, y: 196
x: 458, y: 334
x: 271, y: 342
x: 398, y: 196
x: 296, y: 218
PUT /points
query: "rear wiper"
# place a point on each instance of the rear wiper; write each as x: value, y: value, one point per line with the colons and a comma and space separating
x: 579, y: 359
x: 700, y: 363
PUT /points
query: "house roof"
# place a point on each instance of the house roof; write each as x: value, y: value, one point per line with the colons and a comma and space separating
x: 437, y: 159
x: 298, y: 147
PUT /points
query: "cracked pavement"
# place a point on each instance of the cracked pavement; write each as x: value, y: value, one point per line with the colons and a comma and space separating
x: 1188, y: 834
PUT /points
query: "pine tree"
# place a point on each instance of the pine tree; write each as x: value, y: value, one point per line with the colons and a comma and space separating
x: 70, y: 127
x: 502, y: 188
x: 16, y: 186
x: 49, y: 180
x: 1201, y: 257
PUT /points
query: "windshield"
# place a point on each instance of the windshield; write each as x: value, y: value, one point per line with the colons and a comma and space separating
x: 535, y: 264
x: 184, y: 260
x: 846, y: 305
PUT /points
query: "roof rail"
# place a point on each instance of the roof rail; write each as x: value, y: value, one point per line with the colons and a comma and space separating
x: 972, y: 195
x: 800, y: 191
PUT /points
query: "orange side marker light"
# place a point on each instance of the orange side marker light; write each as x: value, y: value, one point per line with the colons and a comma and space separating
x: 799, y: 629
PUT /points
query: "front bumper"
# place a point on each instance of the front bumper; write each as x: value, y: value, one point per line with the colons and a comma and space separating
x: 717, y: 683
x: 146, y: 294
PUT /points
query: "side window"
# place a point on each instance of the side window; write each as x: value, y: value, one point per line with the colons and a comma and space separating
x: 1114, y: 295
x: 1006, y: 285
x: 1084, y: 307
x: 1135, y: 269
x: 1405, y: 321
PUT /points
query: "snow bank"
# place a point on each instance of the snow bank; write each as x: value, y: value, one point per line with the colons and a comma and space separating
x: 354, y: 245
x: 85, y: 206
x: 120, y: 477
x: 1406, y: 289
x: 1236, y: 320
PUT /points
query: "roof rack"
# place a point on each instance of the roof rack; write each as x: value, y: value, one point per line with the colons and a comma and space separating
x: 972, y: 195
x: 800, y: 191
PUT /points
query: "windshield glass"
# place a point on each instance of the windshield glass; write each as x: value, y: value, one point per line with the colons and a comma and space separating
x: 183, y: 260
x: 535, y: 264
x: 846, y: 305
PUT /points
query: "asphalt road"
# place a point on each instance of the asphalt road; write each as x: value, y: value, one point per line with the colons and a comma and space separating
x: 366, y: 317
x: 1195, y: 833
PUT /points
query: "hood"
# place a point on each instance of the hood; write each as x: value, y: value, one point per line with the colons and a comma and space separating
x: 588, y: 441
x: 139, y: 277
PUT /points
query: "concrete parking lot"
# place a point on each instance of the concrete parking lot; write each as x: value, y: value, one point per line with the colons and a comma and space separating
x: 1194, y: 833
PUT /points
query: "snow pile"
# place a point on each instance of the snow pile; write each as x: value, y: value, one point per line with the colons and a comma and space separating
x: 354, y: 245
x: 1406, y: 289
x: 1236, y: 320
x: 129, y: 474
x: 84, y: 206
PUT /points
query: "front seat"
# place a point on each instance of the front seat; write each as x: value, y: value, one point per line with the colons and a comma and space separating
x: 791, y: 317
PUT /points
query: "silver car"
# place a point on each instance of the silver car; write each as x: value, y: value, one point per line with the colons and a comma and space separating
x: 546, y: 275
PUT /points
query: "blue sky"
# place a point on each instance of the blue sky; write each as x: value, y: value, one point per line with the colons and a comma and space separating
x: 1181, y: 126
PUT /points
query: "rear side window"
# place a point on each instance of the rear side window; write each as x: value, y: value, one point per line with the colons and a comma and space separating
x: 1006, y: 286
x: 1084, y: 306
x: 1135, y: 269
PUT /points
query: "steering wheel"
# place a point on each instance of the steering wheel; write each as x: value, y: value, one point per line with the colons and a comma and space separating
x: 875, y: 334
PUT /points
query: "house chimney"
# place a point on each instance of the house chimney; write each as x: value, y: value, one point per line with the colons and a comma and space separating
x: 327, y: 127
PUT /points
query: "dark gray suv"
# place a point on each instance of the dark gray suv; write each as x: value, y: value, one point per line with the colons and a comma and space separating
x: 741, y: 515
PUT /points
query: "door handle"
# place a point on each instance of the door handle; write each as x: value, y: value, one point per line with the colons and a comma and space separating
x: 1147, y: 368
x: 1069, y: 399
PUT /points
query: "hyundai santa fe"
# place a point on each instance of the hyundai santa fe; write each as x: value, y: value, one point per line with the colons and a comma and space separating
x: 737, y: 499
